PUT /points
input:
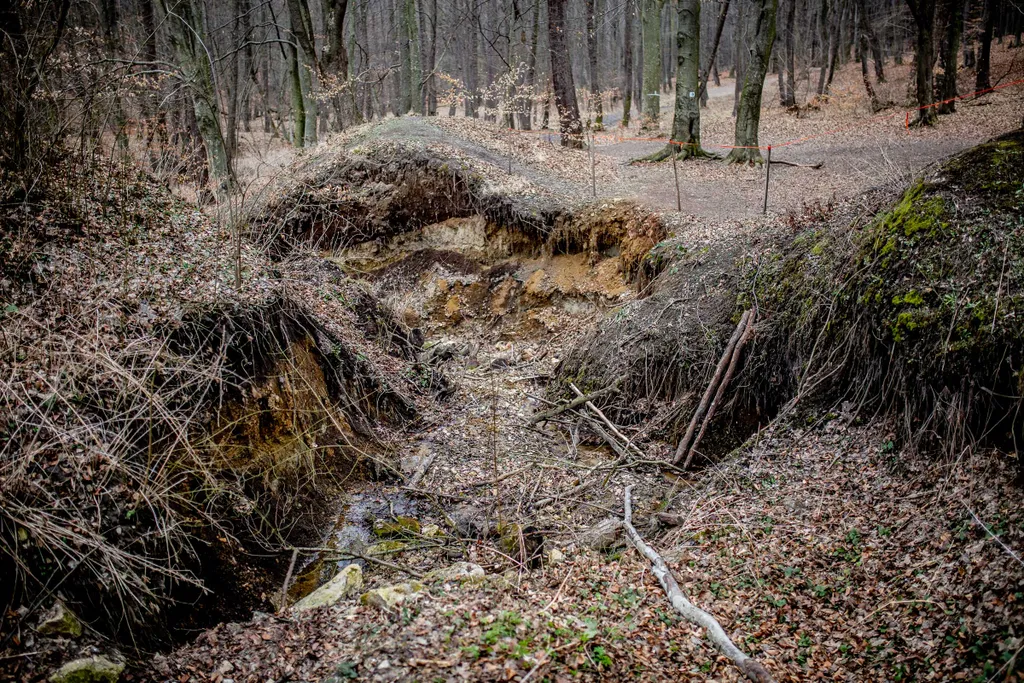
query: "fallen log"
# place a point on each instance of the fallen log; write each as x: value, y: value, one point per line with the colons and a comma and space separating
x: 710, y: 391
x: 575, y: 403
x: 750, y: 667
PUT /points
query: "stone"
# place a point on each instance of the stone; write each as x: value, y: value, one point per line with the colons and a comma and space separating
x: 386, y: 548
x: 470, y: 521
x: 604, y: 535
x: 347, y: 582
x: 455, y: 572
x: 399, y: 526
x: 59, y: 621
x: 554, y: 556
x: 431, y: 530
x: 389, y: 597
x: 96, y: 669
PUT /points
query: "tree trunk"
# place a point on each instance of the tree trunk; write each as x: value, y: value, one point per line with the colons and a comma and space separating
x: 924, y: 58
x: 188, y: 36
x: 760, y: 38
x: 712, y: 66
x: 650, y: 20
x: 686, y: 123
x: 530, y: 77
x: 864, y: 48
x: 949, y: 54
x: 473, y: 63
x: 595, y: 86
x: 984, y: 78
x: 627, y: 64
x: 234, y: 76
x: 789, y: 57
x: 561, y: 75
x: 337, y: 67
x: 827, y: 47
x: 412, y: 37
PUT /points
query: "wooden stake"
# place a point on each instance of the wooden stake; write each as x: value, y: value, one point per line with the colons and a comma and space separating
x: 675, y: 172
x: 767, y: 177
x: 593, y: 173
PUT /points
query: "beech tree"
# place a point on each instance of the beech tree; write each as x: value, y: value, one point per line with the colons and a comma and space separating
x: 561, y: 76
x: 923, y: 12
x: 760, y: 36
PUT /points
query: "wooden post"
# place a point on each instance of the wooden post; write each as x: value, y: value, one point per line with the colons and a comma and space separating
x: 593, y: 172
x: 675, y: 172
x: 767, y: 178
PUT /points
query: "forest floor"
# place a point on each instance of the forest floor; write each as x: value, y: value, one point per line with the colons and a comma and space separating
x: 824, y: 552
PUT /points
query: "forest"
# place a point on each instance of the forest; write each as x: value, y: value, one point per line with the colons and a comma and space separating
x: 532, y: 340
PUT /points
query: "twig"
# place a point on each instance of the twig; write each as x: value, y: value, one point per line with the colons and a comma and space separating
x: 575, y: 403
x: 615, y: 430
x: 287, y: 580
x: 750, y: 667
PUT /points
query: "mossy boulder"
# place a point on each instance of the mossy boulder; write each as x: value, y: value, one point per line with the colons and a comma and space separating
x: 96, y: 669
x: 399, y: 526
x: 458, y: 572
x: 389, y: 597
x: 347, y: 582
x: 386, y: 548
x: 59, y: 621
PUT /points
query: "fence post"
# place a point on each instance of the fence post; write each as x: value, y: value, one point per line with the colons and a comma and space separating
x: 675, y: 172
x: 767, y: 178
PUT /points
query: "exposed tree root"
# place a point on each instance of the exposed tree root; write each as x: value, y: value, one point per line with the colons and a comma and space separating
x: 681, y: 152
x: 745, y: 155
x: 750, y: 667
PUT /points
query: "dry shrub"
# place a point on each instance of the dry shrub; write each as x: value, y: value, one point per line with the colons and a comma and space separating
x: 158, y: 425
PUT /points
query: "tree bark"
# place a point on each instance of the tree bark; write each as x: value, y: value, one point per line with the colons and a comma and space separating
x: 984, y: 77
x: 188, y: 37
x: 595, y: 85
x: 627, y: 63
x: 760, y: 37
x: 412, y: 37
x: 650, y: 20
x: 685, y: 142
x: 924, y: 57
x: 788, y: 64
x: 950, y: 54
x: 561, y: 75
x: 530, y: 77
x: 865, y: 31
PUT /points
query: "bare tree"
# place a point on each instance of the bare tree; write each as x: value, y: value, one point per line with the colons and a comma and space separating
x: 561, y: 76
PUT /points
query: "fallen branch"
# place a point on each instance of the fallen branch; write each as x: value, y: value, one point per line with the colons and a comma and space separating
x: 705, y: 400
x: 748, y: 332
x: 287, y: 580
x: 575, y: 403
x: 608, y: 423
x: 795, y: 165
x: 422, y: 471
x: 750, y: 667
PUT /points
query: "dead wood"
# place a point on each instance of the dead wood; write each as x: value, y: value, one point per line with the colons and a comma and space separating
x: 710, y: 391
x: 575, y: 403
x: 422, y: 471
x: 748, y: 332
x: 750, y: 667
x: 608, y: 423
x: 796, y: 165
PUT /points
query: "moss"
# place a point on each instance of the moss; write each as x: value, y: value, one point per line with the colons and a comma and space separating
x: 911, y: 298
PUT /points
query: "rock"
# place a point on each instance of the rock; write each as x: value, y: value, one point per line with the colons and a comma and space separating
x: 399, y: 526
x: 345, y: 583
x: 455, y: 572
x: 520, y: 542
x: 387, y: 548
x: 389, y: 597
x: 443, y: 350
x: 59, y: 621
x: 554, y: 556
x: 412, y: 463
x: 470, y: 521
x: 96, y: 669
x: 604, y: 535
x: 431, y: 530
